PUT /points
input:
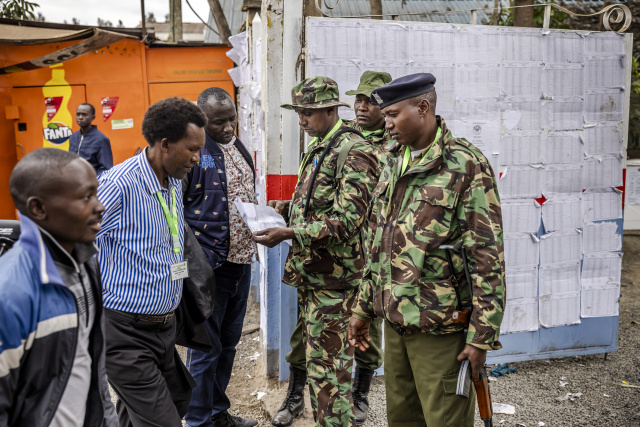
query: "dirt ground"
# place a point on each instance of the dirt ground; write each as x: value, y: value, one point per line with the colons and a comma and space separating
x: 532, y: 390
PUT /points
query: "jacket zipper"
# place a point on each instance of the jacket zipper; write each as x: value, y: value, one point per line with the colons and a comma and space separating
x: 80, y: 145
x: 86, y: 301
x: 68, y: 373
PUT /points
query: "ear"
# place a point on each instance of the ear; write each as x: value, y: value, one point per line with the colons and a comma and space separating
x: 36, y: 208
x: 331, y: 111
x: 164, y: 145
x: 424, y: 107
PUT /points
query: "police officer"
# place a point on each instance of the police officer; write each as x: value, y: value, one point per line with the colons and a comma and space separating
x: 438, y: 190
x: 325, y: 263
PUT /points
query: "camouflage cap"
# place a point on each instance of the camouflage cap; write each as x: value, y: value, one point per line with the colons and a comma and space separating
x: 369, y: 81
x: 315, y: 92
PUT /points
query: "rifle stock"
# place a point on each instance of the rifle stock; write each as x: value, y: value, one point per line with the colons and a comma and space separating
x: 462, y: 315
x: 484, y: 398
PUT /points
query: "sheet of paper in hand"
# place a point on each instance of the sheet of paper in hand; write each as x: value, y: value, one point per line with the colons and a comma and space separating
x: 260, y: 218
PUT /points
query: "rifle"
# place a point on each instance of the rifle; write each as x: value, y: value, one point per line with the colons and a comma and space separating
x: 462, y: 315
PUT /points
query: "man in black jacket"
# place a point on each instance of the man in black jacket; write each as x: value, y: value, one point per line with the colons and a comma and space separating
x: 225, y: 172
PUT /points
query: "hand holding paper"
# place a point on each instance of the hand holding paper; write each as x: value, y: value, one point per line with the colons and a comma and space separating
x: 265, y: 221
x: 273, y: 236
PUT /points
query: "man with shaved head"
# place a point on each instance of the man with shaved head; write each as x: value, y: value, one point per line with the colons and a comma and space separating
x: 51, y: 317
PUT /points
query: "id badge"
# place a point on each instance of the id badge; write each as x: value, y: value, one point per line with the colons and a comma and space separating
x: 180, y: 270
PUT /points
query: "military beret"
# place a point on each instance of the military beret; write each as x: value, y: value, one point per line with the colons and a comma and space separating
x: 403, y: 88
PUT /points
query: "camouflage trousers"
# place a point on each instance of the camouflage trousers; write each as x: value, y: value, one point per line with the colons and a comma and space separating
x: 370, y: 359
x: 325, y: 315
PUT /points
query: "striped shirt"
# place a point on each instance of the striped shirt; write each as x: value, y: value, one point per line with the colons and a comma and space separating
x: 136, y: 248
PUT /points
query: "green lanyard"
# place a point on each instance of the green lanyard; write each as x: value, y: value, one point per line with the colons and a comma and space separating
x: 304, y: 164
x: 407, y: 152
x: 367, y: 133
x: 172, y: 218
x: 405, y: 160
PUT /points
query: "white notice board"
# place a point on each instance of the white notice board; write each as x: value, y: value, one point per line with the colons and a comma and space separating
x: 549, y: 109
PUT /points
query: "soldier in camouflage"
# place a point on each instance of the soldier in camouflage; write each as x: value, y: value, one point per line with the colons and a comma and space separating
x: 369, y: 119
x: 370, y: 122
x: 326, y: 260
x: 437, y: 190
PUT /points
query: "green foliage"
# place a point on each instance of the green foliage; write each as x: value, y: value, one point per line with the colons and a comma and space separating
x: 18, y: 9
x: 635, y: 75
x: 634, y: 107
x: 557, y: 18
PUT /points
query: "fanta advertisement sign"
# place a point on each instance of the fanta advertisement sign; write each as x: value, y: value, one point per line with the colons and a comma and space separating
x: 57, y: 133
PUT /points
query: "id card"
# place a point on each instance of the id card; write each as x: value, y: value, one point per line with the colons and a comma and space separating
x: 180, y: 270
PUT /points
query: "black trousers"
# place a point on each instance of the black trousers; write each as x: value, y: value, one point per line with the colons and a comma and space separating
x: 145, y: 370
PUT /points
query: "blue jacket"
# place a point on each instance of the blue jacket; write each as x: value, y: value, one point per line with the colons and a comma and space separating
x: 38, y: 337
x: 206, y: 208
x: 95, y: 148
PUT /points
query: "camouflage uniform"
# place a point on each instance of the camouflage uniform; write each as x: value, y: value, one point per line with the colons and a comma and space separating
x: 372, y: 358
x: 380, y: 137
x: 450, y: 194
x: 326, y: 260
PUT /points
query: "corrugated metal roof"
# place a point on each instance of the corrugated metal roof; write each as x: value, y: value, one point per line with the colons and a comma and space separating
x: 234, y: 14
x: 407, y: 10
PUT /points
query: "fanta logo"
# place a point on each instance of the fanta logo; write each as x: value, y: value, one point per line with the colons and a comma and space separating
x: 57, y: 133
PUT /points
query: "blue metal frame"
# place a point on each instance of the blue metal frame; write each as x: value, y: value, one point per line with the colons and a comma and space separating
x: 279, y: 306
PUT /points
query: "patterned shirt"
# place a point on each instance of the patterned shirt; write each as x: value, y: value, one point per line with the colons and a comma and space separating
x: 239, y: 185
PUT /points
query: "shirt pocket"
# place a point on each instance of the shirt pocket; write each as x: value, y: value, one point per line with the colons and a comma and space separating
x: 437, y: 302
x: 431, y: 211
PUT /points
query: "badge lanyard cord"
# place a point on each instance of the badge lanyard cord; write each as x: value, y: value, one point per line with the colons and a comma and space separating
x: 171, y: 217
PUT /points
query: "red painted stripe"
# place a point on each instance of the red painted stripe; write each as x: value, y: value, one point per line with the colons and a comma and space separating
x: 280, y: 187
x: 624, y: 182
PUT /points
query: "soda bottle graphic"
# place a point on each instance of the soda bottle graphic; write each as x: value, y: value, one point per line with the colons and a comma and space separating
x: 57, y: 120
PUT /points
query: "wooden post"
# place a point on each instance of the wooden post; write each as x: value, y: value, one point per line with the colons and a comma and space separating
x: 547, y: 17
x: 496, y: 12
x: 309, y: 8
x: 175, y: 20
x: 221, y: 20
x: 376, y: 8
x: 144, y: 20
x: 251, y: 7
x: 523, y: 16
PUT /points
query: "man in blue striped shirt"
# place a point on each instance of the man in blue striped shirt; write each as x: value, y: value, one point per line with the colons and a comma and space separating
x: 141, y: 261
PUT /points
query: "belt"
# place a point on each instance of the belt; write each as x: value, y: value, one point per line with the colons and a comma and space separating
x: 161, y: 318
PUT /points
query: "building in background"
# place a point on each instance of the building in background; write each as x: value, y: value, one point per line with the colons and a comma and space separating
x: 119, y: 71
